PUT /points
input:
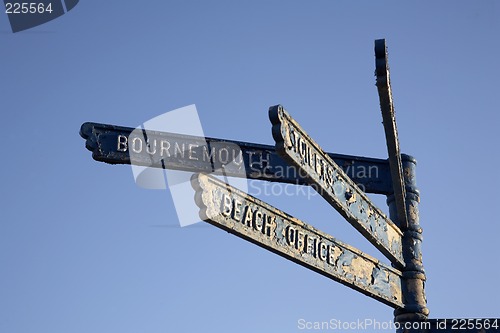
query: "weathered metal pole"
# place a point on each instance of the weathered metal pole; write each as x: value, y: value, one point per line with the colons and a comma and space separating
x: 403, y: 203
x: 413, y: 281
x: 390, y: 128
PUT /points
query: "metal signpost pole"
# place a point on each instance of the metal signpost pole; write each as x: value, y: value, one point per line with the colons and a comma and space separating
x: 413, y: 280
x: 334, y: 176
x: 403, y: 203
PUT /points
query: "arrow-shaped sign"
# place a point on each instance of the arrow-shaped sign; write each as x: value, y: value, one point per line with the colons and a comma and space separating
x: 296, y: 147
x: 247, y: 217
x: 115, y: 144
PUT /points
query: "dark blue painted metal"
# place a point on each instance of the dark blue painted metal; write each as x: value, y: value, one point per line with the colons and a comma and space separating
x: 391, y: 131
x: 407, y: 295
x: 261, y: 162
x: 413, y: 281
x: 403, y: 203
x: 247, y: 217
x: 326, y: 177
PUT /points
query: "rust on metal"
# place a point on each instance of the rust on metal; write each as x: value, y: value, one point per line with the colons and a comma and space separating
x: 391, y: 131
x: 297, y: 148
x: 266, y: 226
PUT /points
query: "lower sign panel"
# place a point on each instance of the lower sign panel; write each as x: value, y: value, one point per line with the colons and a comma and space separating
x: 258, y: 222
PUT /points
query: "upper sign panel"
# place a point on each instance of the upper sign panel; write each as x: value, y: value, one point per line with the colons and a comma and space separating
x: 296, y: 147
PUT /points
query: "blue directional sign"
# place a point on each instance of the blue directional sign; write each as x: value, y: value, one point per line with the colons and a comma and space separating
x: 249, y: 218
x: 114, y: 145
x: 297, y: 148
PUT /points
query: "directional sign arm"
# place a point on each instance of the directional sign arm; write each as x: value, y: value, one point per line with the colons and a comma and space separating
x: 391, y: 131
x: 249, y: 218
x: 111, y: 144
x: 297, y: 148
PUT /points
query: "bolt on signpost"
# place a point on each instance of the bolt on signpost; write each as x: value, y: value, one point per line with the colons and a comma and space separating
x: 298, y: 159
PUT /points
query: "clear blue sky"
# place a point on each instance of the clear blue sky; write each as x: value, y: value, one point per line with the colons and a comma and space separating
x: 83, y: 249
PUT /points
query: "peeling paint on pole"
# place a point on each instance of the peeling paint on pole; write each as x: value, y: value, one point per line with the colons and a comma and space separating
x: 260, y: 223
x: 391, y: 130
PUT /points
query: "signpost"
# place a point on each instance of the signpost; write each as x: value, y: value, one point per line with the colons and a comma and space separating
x: 249, y: 218
x: 297, y: 148
x: 391, y: 131
x: 113, y: 145
x: 341, y: 179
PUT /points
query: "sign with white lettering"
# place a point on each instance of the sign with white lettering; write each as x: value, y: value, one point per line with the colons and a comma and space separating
x: 296, y: 147
x: 260, y: 223
x: 116, y: 145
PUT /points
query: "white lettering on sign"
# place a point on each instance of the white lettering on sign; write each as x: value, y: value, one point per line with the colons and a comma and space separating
x: 247, y: 217
x: 219, y: 154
